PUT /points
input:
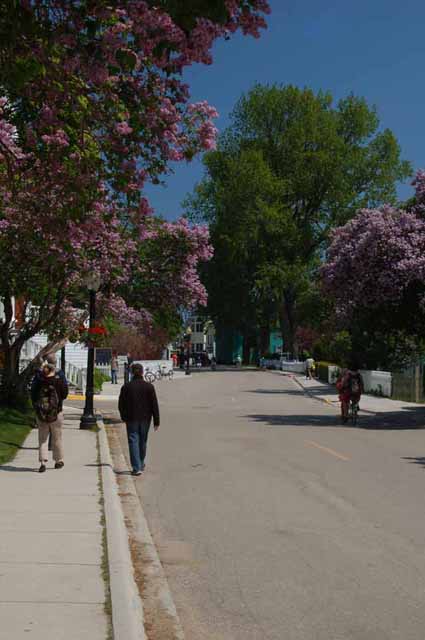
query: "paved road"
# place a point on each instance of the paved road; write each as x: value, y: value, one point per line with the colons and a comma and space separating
x: 274, y: 522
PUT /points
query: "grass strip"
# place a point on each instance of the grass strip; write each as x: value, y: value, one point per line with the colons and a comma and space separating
x: 105, y: 558
x: 14, y: 428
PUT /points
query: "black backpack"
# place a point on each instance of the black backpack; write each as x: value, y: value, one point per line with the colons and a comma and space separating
x: 355, y: 384
x: 47, y: 407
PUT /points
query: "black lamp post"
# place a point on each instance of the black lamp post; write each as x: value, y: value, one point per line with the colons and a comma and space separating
x: 188, y: 338
x: 88, y: 419
x: 63, y: 359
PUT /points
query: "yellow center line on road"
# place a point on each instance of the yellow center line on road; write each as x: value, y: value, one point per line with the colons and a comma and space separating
x: 327, y: 450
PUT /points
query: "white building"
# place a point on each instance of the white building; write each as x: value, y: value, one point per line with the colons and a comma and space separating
x: 203, y: 335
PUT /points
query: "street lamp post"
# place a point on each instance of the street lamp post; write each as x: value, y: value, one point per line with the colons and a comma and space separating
x: 88, y: 419
x: 188, y: 338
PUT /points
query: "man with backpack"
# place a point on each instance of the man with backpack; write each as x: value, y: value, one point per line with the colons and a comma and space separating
x: 350, y: 387
x: 48, y: 392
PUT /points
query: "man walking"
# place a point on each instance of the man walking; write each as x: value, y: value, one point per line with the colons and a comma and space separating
x: 114, y: 368
x: 137, y: 405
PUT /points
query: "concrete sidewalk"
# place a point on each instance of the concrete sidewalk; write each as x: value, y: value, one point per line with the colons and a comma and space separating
x: 368, y: 404
x: 51, y: 554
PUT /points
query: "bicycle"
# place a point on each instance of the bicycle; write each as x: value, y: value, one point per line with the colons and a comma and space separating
x: 164, y: 373
x: 150, y: 376
x: 353, y: 412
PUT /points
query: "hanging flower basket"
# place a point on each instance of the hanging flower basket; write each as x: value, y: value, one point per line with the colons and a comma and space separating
x: 93, y: 336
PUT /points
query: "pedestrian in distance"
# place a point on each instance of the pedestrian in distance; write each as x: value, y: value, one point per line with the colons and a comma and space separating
x: 48, y: 392
x: 310, y: 366
x: 350, y: 386
x: 114, y: 368
x: 138, y: 405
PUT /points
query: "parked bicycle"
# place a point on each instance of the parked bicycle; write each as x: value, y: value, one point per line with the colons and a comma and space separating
x: 150, y: 376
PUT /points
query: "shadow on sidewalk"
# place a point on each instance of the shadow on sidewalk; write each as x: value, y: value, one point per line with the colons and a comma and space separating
x: 391, y: 421
x: 103, y: 464
x: 12, y: 469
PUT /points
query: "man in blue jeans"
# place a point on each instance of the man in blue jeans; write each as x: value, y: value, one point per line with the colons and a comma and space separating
x: 137, y: 405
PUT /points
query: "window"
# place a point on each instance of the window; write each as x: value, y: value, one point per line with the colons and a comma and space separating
x: 199, y: 347
x: 199, y: 326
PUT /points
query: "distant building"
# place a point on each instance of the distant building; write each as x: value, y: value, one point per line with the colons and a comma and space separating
x: 203, y: 335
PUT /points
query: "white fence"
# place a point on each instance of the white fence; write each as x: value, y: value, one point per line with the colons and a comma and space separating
x: 379, y: 382
x: 281, y: 364
x: 155, y: 365
x: 76, y: 376
x: 292, y: 366
x: 376, y: 382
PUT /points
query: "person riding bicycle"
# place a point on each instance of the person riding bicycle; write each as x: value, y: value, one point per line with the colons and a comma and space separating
x: 350, y: 387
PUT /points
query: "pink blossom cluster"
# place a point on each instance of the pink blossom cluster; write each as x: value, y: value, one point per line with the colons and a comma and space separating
x: 105, y: 110
x: 9, y: 148
x: 123, y: 81
x: 374, y: 258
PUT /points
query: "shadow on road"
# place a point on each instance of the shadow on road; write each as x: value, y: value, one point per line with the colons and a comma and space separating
x: 411, y: 419
x: 282, y: 392
x: 418, y: 461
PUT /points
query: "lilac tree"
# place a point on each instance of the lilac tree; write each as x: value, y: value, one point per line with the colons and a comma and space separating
x: 375, y: 273
x: 93, y: 107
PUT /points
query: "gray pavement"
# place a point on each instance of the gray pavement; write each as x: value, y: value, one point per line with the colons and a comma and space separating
x: 273, y: 521
x: 51, y: 581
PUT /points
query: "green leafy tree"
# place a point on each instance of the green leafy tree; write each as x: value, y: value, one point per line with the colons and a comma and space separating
x: 292, y: 166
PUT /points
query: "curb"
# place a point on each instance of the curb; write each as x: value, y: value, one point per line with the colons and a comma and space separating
x: 156, y: 589
x: 127, y: 609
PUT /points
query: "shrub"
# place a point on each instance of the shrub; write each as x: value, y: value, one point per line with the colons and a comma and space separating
x: 99, y: 379
x: 322, y: 369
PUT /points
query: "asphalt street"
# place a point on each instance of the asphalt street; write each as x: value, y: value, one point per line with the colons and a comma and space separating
x: 274, y: 522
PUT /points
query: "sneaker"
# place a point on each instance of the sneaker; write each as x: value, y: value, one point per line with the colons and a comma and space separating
x: 136, y: 473
x: 42, y: 468
x: 59, y: 465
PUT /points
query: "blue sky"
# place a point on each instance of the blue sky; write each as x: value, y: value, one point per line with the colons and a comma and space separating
x: 373, y: 48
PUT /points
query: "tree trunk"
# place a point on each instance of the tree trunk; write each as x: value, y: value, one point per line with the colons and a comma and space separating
x: 288, y: 325
x: 13, y: 389
x: 14, y: 385
x: 263, y: 340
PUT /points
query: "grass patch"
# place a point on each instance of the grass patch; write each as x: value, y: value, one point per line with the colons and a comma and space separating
x: 14, y: 428
x: 105, y: 560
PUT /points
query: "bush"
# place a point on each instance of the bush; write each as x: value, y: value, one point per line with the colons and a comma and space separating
x: 322, y: 369
x: 99, y: 379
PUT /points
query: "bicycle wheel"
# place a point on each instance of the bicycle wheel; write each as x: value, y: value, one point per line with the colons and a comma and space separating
x: 355, y: 412
x: 150, y: 377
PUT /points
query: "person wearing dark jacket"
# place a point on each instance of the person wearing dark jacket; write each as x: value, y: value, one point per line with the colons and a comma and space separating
x: 48, y: 392
x: 137, y: 405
